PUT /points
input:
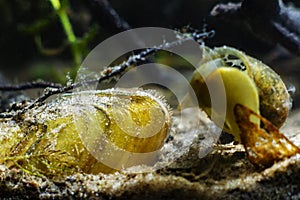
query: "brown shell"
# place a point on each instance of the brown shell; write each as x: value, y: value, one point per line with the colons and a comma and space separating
x: 274, y: 98
x: 277, y: 104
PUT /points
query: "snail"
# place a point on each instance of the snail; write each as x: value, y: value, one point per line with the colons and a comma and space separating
x: 246, y: 81
x: 67, y: 135
x: 257, y: 102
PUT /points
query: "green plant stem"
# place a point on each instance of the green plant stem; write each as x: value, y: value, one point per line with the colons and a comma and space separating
x: 66, y: 24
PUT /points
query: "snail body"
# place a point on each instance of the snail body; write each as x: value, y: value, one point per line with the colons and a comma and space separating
x: 246, y: 81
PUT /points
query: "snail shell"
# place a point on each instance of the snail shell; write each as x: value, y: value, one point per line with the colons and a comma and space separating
x: 247, y: 81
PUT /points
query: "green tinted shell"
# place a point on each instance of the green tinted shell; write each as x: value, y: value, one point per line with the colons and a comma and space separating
x: 246, y: 80
x: 67, y: 135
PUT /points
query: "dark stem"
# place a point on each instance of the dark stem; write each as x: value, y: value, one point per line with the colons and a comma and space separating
x: 29, y: 85
x: 110, y: 72
x: 104, y: 13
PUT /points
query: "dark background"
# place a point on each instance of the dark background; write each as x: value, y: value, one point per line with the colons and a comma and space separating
x: 22, y: 61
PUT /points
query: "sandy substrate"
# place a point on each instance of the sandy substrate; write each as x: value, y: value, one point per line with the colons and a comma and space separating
x: 225, y: 173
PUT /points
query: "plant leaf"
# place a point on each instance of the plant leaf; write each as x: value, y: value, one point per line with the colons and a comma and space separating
x: 264, y: 143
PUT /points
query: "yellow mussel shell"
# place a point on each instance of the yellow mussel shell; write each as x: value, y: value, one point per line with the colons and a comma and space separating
x: 65, y: 136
